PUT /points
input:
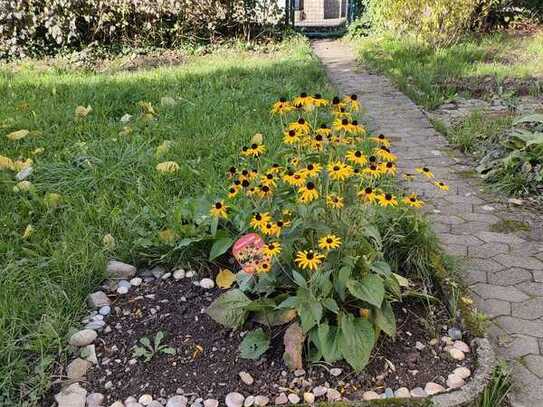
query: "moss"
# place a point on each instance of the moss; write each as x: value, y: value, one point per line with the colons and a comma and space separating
x: 468, y: 173
x: 510, y: 226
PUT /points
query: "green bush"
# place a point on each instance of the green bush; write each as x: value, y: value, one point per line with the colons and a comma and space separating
x: 37, y: 26
x: 436, y: 22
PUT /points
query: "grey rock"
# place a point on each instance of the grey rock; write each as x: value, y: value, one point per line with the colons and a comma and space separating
x: 234, y: 399
x: 77, y: 368
x: 96, y: 325
x: 462, y: 346
x: 389, y: 393
x: 89, y: 353
x: 72, y: 396
x: 335, y: 371
x: 124, y: 283
x: 136, y: 281
x: 119, y: 270
x: 158, y: 272
x: 333, y: 395
x: 319, y: 391
x: 83, y: 338
x: 98, y: 299
x: 418, y: 392
x: 122, y: 290
x: 370, y: 395
x: 454, y: 333
x: 246, y: 378
x: 95, y: 399
x: 454, y: 381
x: 24, y: 174
x: 281, y: 399
x: 117, y: 403
x: 179, y: 274
x: 105, y: 310
x: 262, y: 401
x: 293, y: 398
x: 178, y: 401
x: 462, y: 372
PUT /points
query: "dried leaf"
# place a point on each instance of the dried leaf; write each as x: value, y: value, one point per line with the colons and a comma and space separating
x: 225, y: 279
x: 18, y: 135
x: 82, y: 111
x: 258, y: 138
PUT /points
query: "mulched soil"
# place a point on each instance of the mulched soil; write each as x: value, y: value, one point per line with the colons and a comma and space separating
x: 207, y: 363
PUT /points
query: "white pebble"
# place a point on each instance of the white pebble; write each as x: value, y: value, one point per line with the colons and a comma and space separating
x: 249, y: 401
x: 145, y: 400
x: 457, y: 354
x: 207, y: 283
x: 136, y: 281
x: 166, y: 276
x: 209, y: 403
x: 246, y: 378
x: 462, y: 372
x: 462, y: 346
x: 293, y: 398
x: 335, y: 371
x: 234, y: 399
x: 370, y: 395
x: 122, y: 290
x: 309, y: 398
x: 261, y: 401
x: 178, y: 275
x: 433, y: 388
x: 402, y: 393
x: 105, y: 310
x: 454, y: 381
x: 189, y: 274
x: 319, y: 391
x: 333, y: 395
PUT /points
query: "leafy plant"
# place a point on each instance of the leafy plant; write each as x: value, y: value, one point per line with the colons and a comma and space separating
x: 148, y: 350
x: 315, y: 199
x: 254, y: 344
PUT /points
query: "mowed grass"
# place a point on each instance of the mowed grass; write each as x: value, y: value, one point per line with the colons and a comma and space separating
x: 108, y: 182
x: 433, y: 76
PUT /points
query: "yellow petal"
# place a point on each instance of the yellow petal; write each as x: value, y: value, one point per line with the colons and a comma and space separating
x: 225, y: 279
x: 18, y: 135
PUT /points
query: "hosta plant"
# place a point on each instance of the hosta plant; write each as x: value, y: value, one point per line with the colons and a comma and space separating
x: 304, y: 202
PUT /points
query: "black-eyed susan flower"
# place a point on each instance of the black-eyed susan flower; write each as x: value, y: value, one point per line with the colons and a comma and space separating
x: 329, y: 242
x: 381, y: 139
x: 356, y: 157
x: 294, y: 161
x: 231, y: 172
x: 272, y: 249
x: 356, y: 128
x: 252, y: 191
x: 291, y: 137
x: 324, y: 130
x: 260, y: 219
x: 338, y: 171
x: 342, y: 113
x: 275, y: 169
x: 372, y: 171
x: 310, y: 170
x: 334, y: 201
x: 337, y: 104
x: 342, y: 125
x: 256, y: 150
x: 408, y: 176
x: 271, y: 229
x: 384, y: 153
x: 301, y: 126
x: 264, y: 191
x: 308, y: 259
x: 268, y: 180
x: 318, y: 101
x: 368, y: 195
x: 386, y: 199
x: 425, y: 171
x: 308, y: 193
x: 282, y: 106
x: 293, y: 178
x: 303, y: 100
x: 441, y: 185
x: 353, y: 102
x: 264, y: 267
x: 388, y: 168
x: 233, y: 191
x: 219, y: 210
x: 413, y: 201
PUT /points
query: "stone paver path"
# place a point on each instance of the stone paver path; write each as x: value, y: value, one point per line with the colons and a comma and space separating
x: 504, y: 270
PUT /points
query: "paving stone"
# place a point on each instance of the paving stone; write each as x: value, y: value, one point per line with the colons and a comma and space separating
x: 475, y: 276
x: 522, y: 262
x: 531, y: 288
x: 495, y: 308
x: 487, y: 250
x: 471, y: 227
x: 508, y: 238
x: 509, y: 277
x: 516, y: 346
x: 448, y: 238
x: 484, y: 264
x: 498, y: 292
x: 534, y: 363
x: 521, y: 326
x: 524, y: 392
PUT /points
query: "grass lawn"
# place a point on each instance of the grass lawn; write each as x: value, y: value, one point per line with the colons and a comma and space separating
x: 107, y: 180
x: 498, y: 63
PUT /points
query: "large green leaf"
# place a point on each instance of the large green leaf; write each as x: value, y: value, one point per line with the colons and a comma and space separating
x: 369, y: 289
x: 326, y: 339
x: 341, y: 281
x: 254, y: 344
x: 385, y: 319
x: 230, y: 308
x: 309, y: 309
x: 356, y: 340
x: 220, y: 246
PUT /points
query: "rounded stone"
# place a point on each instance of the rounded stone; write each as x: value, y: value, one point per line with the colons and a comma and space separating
x: 462, y: 372
x: 333, y: 395
x: 454, y: 381
x: 249, y: 401
x: 83, y: 338
x: 166, y: 276
x: 122, y: 290
x: 370, y: 395
x: 123, y: 283
x: 207, y: 403
x: 261, y: 401
x: 299, y: 372
x: 454, y: 333
x: 136, y: 281
x: 179, y: 274
x: 117, y: 403
x: 207, y: 283
x: 234, y: 399
x: 335, y: 371
x: 179, y: 401
x: 105, y: 310
x: 154, y: 403
x: 462, y: 346
x: 309, y: 398
x: 95, y: 399
x: 293, y: 398
x: 189, y: 274
x: 433, y: 388
x: 418, y: 392
x: 319, y: 391
x: 145, y: 400
x: 388, y: 394
x: 246, y: 378
x: 402, y: 393
x: 281, y: 399
x: 457, y: 354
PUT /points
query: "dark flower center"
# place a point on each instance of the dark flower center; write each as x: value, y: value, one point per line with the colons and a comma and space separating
x: 244, y: 173
x: 318, y: 96
x: 237, y: 182
x: 355, y: 122
x: 354, y: 97
x: 385, y: 149
x: 282, y: 99
x: 373, y: 167
x: 336, y: 168
x: 413, y: 199
x: 271, y: 246
x: 335, y: 100
x: 358, y: 154
x: 301, y: 120
x: 372, y: 159
x: 269, y: 176
x: 232, y: 190
x: 303, y: 95
x: 310, y: 167
x: 292, y: 133
x: 310, y: 256
x: 425, y: 169
x: 254, y: 146
x: 275, y: 165
x: 232, y: 170
x: 381, y: 136
x: 218, y: 205
x: 318, y: 137
x: 368, y: 190
x: 390, y: 165
x: 290, y: 173
x: 329, y: 240
x: 310, y: 185
x: 388, y: 197
x: 323, y: 126
x: 280, y: 224
x: 258, y: 216
x: 345, y: 122
x: 245, y: 183
x: 244, y: 148
x: 265, y: 188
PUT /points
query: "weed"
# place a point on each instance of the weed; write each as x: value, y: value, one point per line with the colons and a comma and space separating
x: 148, y: 350
x: 496, y: 392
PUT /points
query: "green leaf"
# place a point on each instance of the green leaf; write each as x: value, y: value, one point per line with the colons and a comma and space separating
x: 299, y: 279
x: 370, y: 289
x: 331, y: 305
x: 158, y: 338
x: 327, y: 342
x: 145, y: 341
x: 220, y: 246
x: 385, y: 319
x: 356, y: 340
x: 309, y: 309
x: 168, y: 350
x: 290, y: 302
x: 254, y: 344
x: 341, y: 281
x: 245, y: 281
x: 381, y: 267
x: 230, y: 308
x: 276, y: 317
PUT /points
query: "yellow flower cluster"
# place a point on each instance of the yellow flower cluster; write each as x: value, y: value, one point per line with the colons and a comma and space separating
x: 334, y: 165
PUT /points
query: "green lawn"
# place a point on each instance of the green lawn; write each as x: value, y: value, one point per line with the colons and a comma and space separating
x: 107, y: 181
x: 491, y: 64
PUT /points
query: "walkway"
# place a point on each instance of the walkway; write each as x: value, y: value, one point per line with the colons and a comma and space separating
x: 504, y: 270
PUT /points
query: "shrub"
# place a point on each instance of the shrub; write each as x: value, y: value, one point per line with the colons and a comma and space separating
x: 37, y: 26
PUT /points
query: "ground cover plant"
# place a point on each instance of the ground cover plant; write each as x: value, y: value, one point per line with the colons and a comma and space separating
x: 492, y: 64
x: 95, y: 191
x: 316, y: 200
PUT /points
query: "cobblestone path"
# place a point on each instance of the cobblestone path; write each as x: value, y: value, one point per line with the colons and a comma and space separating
x: 504, y: 270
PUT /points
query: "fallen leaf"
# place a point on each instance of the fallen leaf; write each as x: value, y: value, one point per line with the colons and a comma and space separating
x: 82, y: 111
x: 168, y: 101
x: 18, y: 135
x: 109, y: 242
x: 23, y: 186
x: 258, y: 138
x: 163, y: 148
x: 28, y: 232
x: 225, y: 279
x: 167, y: 167
x: 167, y: 235
x: 6, y: 163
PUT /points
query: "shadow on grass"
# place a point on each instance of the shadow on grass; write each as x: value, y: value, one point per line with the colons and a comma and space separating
x: 109, y: 184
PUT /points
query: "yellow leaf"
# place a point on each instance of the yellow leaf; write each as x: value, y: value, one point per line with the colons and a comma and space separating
x: 167, y: 167
x: 225, y: 279
x: 82, y: 111
x: 258, y: 138
x: 28, y: 232
x: 23, y: 186
x: 18, y: 135
x: 163, y: 148
x: 109, y: 242
x: 52, y: 199
x: 167, y: 235
x: 6, y: 163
